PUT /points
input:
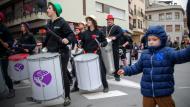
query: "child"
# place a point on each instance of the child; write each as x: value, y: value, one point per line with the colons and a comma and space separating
x: 157, y: 64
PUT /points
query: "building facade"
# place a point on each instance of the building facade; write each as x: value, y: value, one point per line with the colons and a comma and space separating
x: 137, y: 19
x: 171, y: 17
x: 34, y: 11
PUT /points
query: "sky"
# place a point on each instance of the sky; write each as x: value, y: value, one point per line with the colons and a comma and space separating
x: 183, y: 3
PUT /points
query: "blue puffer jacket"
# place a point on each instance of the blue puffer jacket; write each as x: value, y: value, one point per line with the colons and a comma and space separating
x: 157, y: 65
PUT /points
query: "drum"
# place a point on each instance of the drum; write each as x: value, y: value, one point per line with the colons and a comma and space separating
x: 107, y: 55
x: 46, y: 76
x: 18, y: 68
x: 88, y: 71
x: 76, y: 52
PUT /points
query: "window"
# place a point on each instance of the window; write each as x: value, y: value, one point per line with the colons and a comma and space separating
x: 177, y: 15
x: 139, y: 23
x: 149, y: 17
x: 118, y: 13
x: 135, y: 9
x: 161, y: 16
x: 134, y: 23
x: 99, y: 7
x: 177, y: 28
x: 168, y: 16
x: 169, y: 28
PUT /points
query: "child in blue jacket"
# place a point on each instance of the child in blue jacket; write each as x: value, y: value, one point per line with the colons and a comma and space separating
x: 157, y: 65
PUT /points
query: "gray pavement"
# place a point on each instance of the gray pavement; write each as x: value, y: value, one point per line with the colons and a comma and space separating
x: 129, y: 86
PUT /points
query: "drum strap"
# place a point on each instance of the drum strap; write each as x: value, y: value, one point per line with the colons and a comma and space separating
x: 108, y: 33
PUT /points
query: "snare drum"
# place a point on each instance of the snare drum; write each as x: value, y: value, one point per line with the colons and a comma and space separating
x: 18, y: 68
x: 88, y: 71
x: 46, y: 76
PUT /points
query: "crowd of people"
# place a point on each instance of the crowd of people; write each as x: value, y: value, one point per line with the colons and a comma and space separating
x: 157, y: 81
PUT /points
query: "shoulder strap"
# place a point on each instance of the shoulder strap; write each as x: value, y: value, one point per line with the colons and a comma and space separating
x: 108, y: 33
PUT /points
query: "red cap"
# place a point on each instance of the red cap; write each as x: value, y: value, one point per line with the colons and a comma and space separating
x: 18, y: 57
x: 109, y: 16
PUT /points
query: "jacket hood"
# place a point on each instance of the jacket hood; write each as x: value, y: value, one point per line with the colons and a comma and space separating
x: 159, y: 32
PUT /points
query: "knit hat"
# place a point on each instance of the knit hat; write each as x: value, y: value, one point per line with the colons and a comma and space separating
x: 57, y: 8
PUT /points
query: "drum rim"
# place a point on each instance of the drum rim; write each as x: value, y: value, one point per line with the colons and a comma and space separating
x: 86, y: 60
x: 43, y: 58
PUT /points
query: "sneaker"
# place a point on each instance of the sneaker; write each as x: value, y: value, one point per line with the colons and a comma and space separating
x: 17, y: 82
x: 105, y: 90
x: 67, y: 101
x: 74, y: 89
x: 11, y: 94
x: 31, y: 99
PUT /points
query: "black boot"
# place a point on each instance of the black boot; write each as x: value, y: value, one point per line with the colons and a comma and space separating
x: 75, y: 87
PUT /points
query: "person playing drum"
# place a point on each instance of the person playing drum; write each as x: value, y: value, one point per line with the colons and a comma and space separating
x: 6, y: 42
x: 58, y: 25
x: 59, y: 35
x: 91, y: 41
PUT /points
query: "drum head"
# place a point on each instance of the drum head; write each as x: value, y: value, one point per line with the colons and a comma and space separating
x: 76, y: 52
x: 86, y: 57
x: 18, y: 57
x: 43, y: 56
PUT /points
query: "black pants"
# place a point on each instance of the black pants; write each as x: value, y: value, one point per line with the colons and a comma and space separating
x: 4, y: 67
x: 103, y: 72
x: 116, y: 60
x: 64, y: 62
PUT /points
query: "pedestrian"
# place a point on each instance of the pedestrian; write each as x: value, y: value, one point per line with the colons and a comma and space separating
x: 113, y: 32
x: 6, y: 42
x: 90, y: 45
x: 157, y: 64
x: 125, y: 44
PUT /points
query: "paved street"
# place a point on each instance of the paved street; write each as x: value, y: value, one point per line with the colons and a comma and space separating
x: 122, y: 94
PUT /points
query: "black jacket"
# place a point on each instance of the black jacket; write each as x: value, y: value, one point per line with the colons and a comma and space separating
x: 27, y: 41
x: 5, y: 36
x: 115, y: 31
x: 62, y: 29
x: 124, y: 39
x: 89, y: 44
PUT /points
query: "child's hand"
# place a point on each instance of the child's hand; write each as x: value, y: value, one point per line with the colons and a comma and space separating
x: 120, y: 72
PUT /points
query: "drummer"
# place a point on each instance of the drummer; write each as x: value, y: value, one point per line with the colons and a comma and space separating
x: 59, y: 26
x: 6, y: 42
x: 26, y: 42
x: 90, y: 45
x: 75, y: 47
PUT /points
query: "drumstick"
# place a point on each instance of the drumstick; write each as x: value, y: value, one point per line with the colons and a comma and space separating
x: 2, y: 42
x: 54, y: 35
x: 94, y: 37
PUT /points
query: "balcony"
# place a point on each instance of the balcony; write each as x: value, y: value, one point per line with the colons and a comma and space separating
x: 27, y: 18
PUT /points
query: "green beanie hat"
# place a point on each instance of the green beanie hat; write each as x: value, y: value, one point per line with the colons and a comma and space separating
x: 57, y: 8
